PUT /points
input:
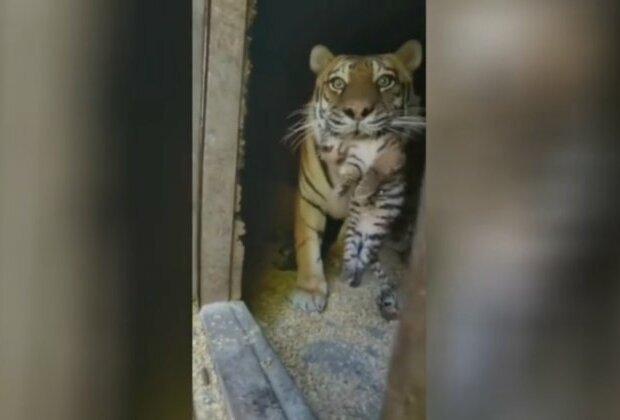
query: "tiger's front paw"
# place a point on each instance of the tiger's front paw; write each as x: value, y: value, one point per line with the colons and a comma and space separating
x: 310, y: 299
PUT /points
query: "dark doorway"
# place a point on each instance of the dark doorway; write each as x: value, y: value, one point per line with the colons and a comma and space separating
x: 280, y: 82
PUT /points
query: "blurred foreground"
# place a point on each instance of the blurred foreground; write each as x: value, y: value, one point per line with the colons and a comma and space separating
x: 522, y: 216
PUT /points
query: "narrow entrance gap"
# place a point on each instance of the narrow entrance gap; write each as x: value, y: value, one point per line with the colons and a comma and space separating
x: 339, y: 358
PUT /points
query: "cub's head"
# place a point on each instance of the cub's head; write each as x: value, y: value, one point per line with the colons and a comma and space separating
x: 365, y: 96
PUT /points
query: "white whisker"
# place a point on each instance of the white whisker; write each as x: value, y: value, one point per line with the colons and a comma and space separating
x: 298, y: 131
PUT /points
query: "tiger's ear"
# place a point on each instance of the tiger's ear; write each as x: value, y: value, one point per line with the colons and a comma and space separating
x: 410, y: 54
x: 320, y: 56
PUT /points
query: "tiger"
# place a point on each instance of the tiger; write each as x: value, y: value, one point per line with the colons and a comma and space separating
x: 362, y: 99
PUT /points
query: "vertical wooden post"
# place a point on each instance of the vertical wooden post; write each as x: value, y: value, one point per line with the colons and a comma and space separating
x: 405, y: 396
x: 218, y: 246
x: 199, y: 32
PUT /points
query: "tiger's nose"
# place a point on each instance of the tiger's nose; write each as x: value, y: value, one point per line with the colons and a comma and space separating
x: 358, y: 111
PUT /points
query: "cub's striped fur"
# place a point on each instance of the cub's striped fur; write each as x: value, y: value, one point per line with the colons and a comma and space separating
x: 375, y: 168
x: 359, y: 100
x: 375, y: 204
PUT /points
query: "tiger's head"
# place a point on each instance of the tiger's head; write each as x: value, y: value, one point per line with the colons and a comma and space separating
x: 365, y: 96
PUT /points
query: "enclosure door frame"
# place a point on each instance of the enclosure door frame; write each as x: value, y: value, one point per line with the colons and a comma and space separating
x: 217, y: 226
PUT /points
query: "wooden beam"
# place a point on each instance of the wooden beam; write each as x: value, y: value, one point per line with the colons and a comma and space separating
x: 199, y: 32
x: 405, y: 395
x: 225, y: 48
x: 254, y: 383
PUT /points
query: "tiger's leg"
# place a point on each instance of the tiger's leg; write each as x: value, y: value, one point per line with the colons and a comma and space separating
x: 310, y: 294
x: 336, y: 251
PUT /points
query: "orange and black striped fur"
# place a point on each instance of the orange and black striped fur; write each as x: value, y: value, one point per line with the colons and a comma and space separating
x: 362, y: 104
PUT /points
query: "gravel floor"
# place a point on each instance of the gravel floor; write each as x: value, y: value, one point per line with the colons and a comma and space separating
x: 339, y: 358
x: 208, y: 403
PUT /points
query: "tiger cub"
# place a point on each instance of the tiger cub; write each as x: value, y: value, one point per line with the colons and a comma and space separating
x: 375, y: 169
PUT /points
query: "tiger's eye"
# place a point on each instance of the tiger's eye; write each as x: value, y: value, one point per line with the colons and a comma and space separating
x: 385, y: 81
x: 337, y: 83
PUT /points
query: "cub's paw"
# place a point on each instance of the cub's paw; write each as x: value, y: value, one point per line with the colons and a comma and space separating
x: 343, y: 188
x: 349, y: 174
x: 326, y: 153
x: 364, y: 193
x: 309, y: 300
x: 348, y: 171
x: 351, y: 277
x: 388, y: 302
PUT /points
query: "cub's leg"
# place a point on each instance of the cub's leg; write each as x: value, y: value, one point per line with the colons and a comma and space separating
x: 360, y: 252
x: 362, y: 243
x: 368, y: 186
x: 368, y: 226
x: 310, y: 294
x: 352, y: 270
x: 383, y: 168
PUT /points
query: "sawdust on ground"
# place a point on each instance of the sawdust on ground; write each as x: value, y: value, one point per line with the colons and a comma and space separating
x: 339, y: 358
